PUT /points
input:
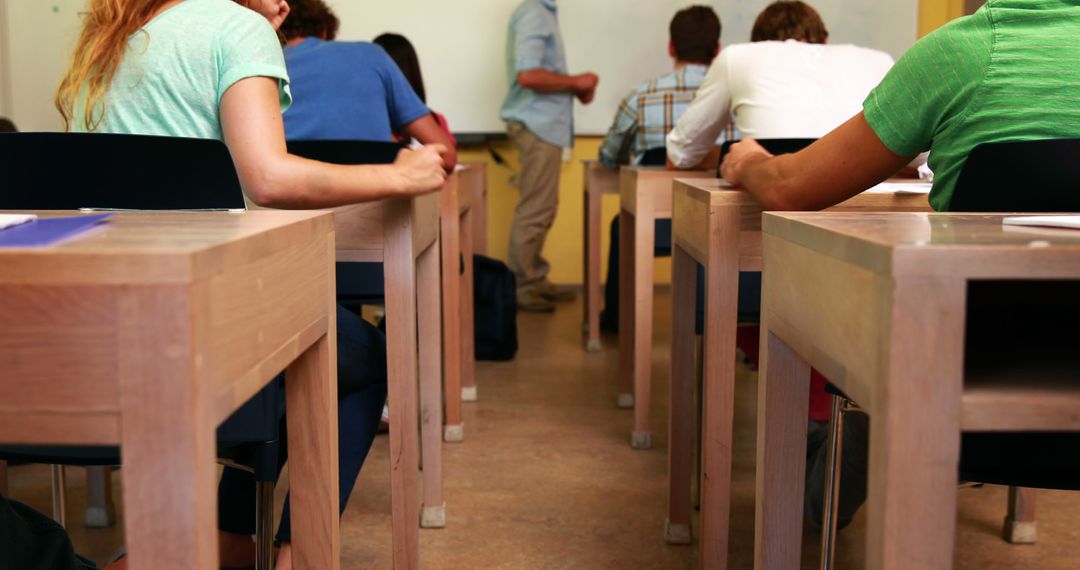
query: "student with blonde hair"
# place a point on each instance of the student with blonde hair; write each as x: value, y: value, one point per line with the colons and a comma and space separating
x: 214, y: 69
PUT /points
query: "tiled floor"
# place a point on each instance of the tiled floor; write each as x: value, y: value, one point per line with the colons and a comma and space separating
x: 546, y: 478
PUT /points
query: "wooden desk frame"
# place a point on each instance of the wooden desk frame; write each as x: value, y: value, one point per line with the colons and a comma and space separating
x: 173, y: 321
x: 474, y: 239
x: 456, y: 226
x: 599, y: 181
x: 644, y: 197
x: 720, y: 229
x: 404, y: 236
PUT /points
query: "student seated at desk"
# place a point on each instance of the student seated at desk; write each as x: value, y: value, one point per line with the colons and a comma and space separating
x: 1006, y: 73
x: 350, y: 90
x: 787, y: 83
x: 401, y: 50
x: 648, y: 113
x: 215, y: 69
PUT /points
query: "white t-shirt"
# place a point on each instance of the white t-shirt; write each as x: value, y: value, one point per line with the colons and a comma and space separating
x: 787, y: 89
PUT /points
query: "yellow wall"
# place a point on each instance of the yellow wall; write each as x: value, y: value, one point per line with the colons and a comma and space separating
x: 935, y: 13
x: 564, y: 245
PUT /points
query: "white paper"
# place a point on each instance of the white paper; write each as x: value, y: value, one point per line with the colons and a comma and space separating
x: 1069, y: 222
x: 11, y: 220
x: 902, y: 188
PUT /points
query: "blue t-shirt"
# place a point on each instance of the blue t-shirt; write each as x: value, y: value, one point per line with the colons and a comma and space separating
x: 347, y: 91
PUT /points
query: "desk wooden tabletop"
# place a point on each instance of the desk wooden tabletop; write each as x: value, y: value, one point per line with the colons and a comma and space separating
x: 961, y: 245
x: 159, y: 247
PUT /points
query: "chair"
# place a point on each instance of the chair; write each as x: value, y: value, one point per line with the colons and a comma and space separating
x: 1050, y: 173
x: 201, y: 175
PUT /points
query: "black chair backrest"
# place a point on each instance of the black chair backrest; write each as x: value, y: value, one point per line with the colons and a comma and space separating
x: 346, y: 152
x: 1021, y: 176
x: 775, y: 146
x: 654, y: 157
x: 65, y: 171
x: 6, y: 126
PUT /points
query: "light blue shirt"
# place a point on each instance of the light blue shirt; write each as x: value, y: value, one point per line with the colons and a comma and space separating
x: 534, y: 42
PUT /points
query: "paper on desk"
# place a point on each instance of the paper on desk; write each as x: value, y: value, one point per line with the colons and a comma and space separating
x: 902, y: 188
x: 1069, y: 222
x: 12, y: 220
x: 48, y: 231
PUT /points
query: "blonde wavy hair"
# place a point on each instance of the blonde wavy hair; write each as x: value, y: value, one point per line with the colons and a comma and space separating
x: 98, y: 54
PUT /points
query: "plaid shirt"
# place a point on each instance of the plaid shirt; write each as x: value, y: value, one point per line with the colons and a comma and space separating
x: 648, y: 114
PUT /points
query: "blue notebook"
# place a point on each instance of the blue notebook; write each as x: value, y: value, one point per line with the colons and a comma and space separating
x: 48, y: 231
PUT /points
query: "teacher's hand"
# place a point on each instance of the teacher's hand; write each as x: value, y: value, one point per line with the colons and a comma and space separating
x: 585, y: 87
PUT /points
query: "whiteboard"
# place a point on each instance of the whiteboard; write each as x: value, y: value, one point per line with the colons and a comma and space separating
x: 462, y: 44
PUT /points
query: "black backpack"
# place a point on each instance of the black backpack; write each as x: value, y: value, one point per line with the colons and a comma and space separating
x: 30, y: 540
x: 494, y: 309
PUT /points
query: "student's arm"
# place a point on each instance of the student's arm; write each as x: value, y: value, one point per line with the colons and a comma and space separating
x: 838, y: 166
x: 619, y: 137
x: 696, y: 132
x: 427, y: 130
x: 255, y: 135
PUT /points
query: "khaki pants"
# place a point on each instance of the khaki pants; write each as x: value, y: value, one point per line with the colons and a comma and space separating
x: 535, y: 212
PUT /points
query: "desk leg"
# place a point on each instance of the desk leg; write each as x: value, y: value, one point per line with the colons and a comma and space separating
x: 100, y: 510
x: 592, y: 270
x: 433, y: 511
x: 783, y: 398
x: 167, y: 434
x: 718, y: 386
x: 450, y: 242
x: 3, y: 478
x: 311, y: 413
x: 915, y: 430
x: 401, y: 362
x: 680, y: 416
x: 644, y: 226
x: 626, y: 310
x: 468, y: 314
x: 1020, y: 523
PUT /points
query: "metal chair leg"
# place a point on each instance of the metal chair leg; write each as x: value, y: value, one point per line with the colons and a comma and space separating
x: 264, y: 525
x: 59, y: 494
x: 832, y: 483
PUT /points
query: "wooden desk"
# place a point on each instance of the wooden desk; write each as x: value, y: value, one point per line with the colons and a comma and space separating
x: 598, y: 181
x: 720, y: 229
x: 456, y: 235
x: 877, y: 303
x: 404, y: 236
x: 148, y: 333
x: 474, y: 228
x: 644, y: 197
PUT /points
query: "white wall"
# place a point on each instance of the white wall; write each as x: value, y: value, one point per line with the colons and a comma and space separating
x: 5, y: 67
x: 462, y: 46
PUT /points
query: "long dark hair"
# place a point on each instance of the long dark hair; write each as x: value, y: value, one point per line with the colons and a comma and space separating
x: 403, y: 53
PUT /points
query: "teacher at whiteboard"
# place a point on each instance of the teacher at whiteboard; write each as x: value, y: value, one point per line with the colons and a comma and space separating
x: 539, y: 116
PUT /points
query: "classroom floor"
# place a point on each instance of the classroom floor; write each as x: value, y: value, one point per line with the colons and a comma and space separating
x: 546, y: 478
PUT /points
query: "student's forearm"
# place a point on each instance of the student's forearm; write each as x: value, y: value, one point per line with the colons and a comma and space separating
x: 427, y: 131
x: 297, y: 183
x: 545, y: 81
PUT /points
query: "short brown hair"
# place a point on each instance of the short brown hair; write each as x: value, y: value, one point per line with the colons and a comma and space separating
x: 309, y: 18
x: 789, y: 20
x: 695, y: 33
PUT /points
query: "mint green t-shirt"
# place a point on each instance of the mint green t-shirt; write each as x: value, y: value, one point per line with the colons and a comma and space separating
x: 1010, y: 72
x: 177, y: 68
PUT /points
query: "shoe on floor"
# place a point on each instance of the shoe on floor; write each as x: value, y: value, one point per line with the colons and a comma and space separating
x: 553, y: 292
x: 529, y: 301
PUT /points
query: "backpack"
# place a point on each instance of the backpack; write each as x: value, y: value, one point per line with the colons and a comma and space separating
x: 30, y: 540
x: 494, y: 309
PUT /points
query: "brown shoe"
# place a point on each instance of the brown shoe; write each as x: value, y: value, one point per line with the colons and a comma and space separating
x: 528, y: 300
x: 553, y: 292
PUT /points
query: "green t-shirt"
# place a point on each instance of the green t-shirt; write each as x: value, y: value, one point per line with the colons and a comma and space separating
x: 1009, y: 72
x: 177, y: 68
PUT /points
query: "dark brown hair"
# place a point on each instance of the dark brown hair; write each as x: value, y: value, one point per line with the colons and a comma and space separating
x: 695, y: 33
x: 404, y: 55
x: 310, y: 19
x: 789, y: 20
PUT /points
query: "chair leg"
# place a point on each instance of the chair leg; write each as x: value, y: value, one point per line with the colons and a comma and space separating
x: 264, y: 525
x: 59, y: 494
x: 100, y: 509
x: 1020, y: 522
x: 832, y: 483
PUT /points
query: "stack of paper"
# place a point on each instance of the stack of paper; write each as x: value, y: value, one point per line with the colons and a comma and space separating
x: 1070, y: 222
x: 12, y: 220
